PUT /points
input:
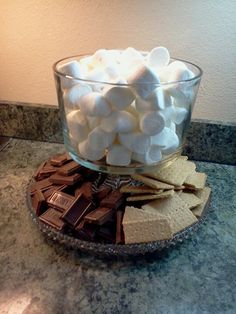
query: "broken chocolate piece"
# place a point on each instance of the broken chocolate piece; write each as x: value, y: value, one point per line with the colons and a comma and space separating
x: 77, y: 210
x: 119, y: 228
x: 68, y: 180
x: 113, y: 200
x: 54, y: 188
x: 86, y: 189
x: 60, y: 200
x: 59, y: 159
x: 38, y: 202
x: 40, y: 168
x: 52, y: 217
x: 99, y: 216
x: 69, y: 168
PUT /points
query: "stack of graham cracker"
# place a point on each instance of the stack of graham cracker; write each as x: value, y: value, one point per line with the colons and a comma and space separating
x: 177, y: 195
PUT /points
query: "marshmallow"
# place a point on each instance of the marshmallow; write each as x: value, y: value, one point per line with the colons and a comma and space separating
x: 118, y: 155
x: 158, y: 57
x: 128, y: 55
x: 180, y: 100
x: 176, y: 71
x: 102, y: 58
x: 118, y: 96
x: 181, y: 114
x: 119, y: 121
x: 155, y: 101
x: 137, y: 142
x: 93, y: 122
x: 168, y: 113
x: 152, y: 123
x: 113, y: 72
x: 152, y: 156
x: 77, y: 125
x: 98, y: 139
x: 97, y: 76
x: 167, y: 139
x: 71, y: 69
x: 89, y: 153
x: 94, y: 104
x: 144, y: 81
x: 73, y: 95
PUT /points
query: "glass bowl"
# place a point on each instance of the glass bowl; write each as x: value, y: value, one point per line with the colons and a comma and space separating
x: 115, y: 127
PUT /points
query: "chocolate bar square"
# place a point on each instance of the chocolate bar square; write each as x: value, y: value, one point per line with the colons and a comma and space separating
x: 60, y: 201
x: 78, y: 209
x: 113, y: 200
x: 68, y: 180
x: 52, y: 217
x: 100, y: 215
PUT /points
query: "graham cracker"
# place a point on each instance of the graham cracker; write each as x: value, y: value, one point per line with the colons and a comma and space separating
x: 143, y: 189
x: 173, y: 208
x: 190, y: 199
x: 150, y: 196
x: 176, y: 173
x: 204, y: 196
x: 196, y: 180
x: 140, y: 226
x: 152, y: 183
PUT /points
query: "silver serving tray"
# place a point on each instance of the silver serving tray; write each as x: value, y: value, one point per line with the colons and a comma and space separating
x: 118, y: 250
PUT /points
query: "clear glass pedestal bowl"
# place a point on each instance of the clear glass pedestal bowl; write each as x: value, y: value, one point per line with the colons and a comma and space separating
x: 174, y: 103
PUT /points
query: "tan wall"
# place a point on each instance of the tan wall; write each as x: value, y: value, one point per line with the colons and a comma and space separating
x: 34, y: 34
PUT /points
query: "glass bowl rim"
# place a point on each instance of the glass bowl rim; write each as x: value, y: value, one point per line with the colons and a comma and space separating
x: 56, y: 71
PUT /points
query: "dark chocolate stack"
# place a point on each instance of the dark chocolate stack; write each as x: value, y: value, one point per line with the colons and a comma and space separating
x: 74, y: 200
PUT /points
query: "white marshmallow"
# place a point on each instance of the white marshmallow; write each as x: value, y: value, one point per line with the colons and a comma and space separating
x: 171, y: 125
x: 98, y: 139
x: 155, y: 101
x: 152, y: 123
x: 158, y: 57
x: 180, y: 100
x: 118, y: 155
x: 118, y: 96
x: 181, y: 114
x: 167, y: 139
x: 137, y: 142
x: 128, y: 55
x: 97, y: 76
x: 73, y: 95
x: 144, y: 81
x: 152, y: 156
x: 168, y: 113
x: 77, y: 125
x: 93, y: 122
x: 132, y: 110
x: 102, y: 58
x: 176, y: 71
x: 71, y: 69
x: 113, y: 72
x: 119, y: 121
x: 89, y: 153
x: 94, y: 105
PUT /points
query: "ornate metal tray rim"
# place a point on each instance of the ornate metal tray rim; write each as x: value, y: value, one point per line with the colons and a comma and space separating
x: 122, y: 250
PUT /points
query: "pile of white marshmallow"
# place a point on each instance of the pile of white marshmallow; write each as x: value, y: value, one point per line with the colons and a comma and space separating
x: 133, y: 120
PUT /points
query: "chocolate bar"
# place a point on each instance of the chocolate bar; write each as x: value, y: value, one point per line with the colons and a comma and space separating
x: 106, y: 234
x: 69, y: 168
x: 119, y: 228
x: 60, y: 200
x: 59, y: 160
x: 54, y: 188
x: 113, y: 200
x: 52, y: 217
x: 86, y: 189
x: 41, y: 185
x: 99, y: 216
x: 85, y: 231
x: 78, y: 209
x: 102, y: 192
x: 38, y: 202
x: 68, y: 180
x: 40, y: 168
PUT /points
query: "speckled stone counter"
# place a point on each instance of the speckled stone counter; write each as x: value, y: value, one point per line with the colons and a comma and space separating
x: 198, y: 276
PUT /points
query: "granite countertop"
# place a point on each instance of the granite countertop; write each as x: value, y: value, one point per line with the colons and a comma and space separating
x: 198, y: 276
